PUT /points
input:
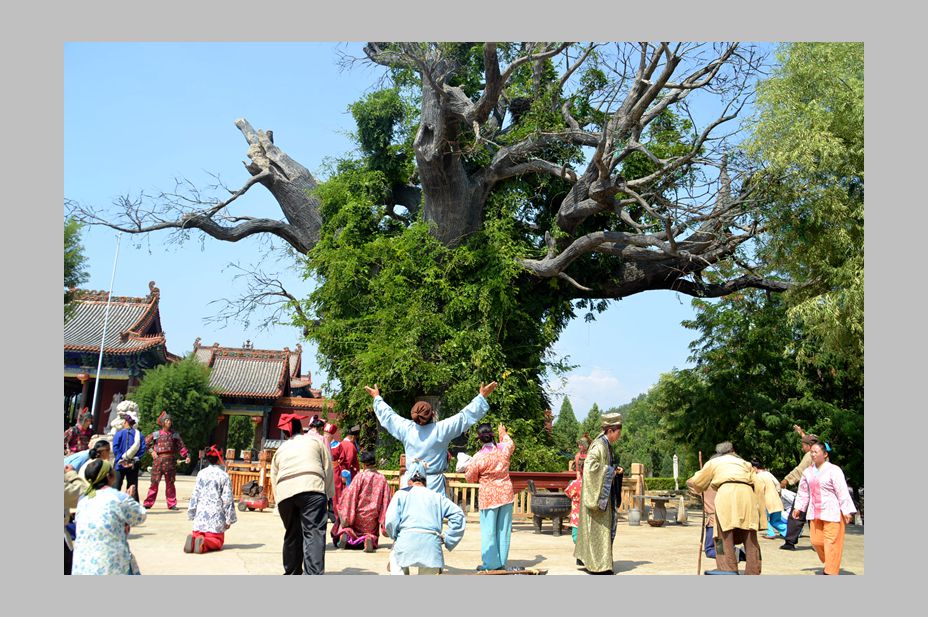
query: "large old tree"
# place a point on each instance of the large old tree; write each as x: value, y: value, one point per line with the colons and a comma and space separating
x: 500, y: 187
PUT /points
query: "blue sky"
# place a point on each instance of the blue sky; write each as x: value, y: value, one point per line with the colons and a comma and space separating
x: 138, y: 115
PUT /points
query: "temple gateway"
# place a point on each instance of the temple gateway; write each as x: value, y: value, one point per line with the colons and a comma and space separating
x: 261, y: 384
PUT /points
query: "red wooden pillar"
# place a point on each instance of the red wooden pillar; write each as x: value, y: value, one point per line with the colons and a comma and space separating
x: 259, y: 431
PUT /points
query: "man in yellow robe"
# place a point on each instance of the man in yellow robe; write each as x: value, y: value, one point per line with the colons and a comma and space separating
x: 599, y: 500
x: 738, y: 508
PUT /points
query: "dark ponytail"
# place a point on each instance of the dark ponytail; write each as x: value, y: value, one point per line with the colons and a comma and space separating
x: 97, y: 448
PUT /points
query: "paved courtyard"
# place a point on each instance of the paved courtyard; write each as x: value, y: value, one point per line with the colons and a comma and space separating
x: 253, y: 546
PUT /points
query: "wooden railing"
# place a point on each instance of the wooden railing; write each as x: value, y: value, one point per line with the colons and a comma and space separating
x: 241, y: 473
x: 466, y: 495
x: 463, y: 493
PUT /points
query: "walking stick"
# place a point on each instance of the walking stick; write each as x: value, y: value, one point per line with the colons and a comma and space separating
x: 702, y: 532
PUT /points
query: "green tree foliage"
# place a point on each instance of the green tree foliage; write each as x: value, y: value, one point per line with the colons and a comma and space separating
x: 399, y: 309
x: 566, y: 429
x: 645, y: 440
x: 591, y: 424
x: 75, y: 263
x: 810, y: 137
x: 748, y: 388
x: 241, y: 433
x: 182, y: 389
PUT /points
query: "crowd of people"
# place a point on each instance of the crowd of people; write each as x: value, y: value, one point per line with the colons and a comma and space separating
x: 741, y: 498
x: 318, y: 480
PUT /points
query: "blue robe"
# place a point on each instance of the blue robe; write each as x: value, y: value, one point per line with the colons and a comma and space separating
x: 414, y: 520
x: 429, y: 443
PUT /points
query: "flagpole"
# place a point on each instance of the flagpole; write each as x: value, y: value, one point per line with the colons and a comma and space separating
x: 106, y: 317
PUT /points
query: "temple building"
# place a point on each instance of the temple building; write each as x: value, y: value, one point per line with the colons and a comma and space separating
x: 262, y: 384
x: 134, y: 342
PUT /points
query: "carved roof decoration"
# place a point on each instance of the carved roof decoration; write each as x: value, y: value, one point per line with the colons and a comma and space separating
x: 246, y: 372
x: 133, y: 326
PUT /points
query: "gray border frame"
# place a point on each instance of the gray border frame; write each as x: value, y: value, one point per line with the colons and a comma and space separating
x: 35, y: 65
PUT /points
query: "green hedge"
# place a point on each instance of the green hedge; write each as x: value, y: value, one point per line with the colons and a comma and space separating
x: 663, y: 484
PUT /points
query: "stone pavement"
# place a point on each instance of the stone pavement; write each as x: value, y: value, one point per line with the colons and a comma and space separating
x: 253, y: 546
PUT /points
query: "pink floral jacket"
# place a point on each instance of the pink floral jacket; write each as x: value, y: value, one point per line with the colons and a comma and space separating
x: 490, y: 466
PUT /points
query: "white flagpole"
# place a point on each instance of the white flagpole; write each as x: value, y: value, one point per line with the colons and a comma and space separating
x: 106, y: 317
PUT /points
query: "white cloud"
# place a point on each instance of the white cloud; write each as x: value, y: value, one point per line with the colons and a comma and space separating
x: 598, y: 386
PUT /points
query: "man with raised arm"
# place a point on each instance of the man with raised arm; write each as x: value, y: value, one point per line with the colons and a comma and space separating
x: 425, y: 439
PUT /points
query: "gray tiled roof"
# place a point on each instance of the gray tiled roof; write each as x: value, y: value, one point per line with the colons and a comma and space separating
x: 248, y: 376
x: 203, y: 354
x: 84, y: 328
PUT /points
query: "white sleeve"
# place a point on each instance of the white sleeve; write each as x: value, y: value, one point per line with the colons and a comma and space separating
x: 130, y: 453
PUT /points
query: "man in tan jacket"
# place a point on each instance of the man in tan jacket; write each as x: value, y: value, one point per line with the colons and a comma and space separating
x: 301, y: 475
x: 793, y: 525
x: 737, y: 508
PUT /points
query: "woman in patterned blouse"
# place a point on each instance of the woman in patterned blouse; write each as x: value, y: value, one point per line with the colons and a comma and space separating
x: 104, y: 516
x: 212, y: 508
x: 490, y: 466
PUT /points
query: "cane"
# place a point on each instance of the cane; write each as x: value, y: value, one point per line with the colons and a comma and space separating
x: 702, y: 532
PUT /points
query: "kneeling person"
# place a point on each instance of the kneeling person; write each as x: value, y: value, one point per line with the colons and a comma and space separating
x: 414, y: 521
x: 212, y: 508
x: 363, y: 508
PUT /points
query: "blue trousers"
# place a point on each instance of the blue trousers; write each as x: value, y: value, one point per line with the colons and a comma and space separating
x: 495, y: 531
x: 776, y: 525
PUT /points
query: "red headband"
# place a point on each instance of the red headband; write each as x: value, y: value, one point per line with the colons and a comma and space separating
x: 214, y: 451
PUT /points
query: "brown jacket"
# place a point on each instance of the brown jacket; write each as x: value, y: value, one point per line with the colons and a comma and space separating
x: 302, y: 464
x: 794, y: 476
x: 74, y: 486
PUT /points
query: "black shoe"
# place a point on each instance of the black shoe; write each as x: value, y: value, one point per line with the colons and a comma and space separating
x: 579, y: 563
x: 172, y: 508
x: 786, y: 546
x: 343, y: 541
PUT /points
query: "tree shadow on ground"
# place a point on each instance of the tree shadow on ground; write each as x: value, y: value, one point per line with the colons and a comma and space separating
x: 165, y: 511
x: 451, y: 570
x: 241, y: 546
x: 353, y: 571
x: 819, y: 570
x: 627, y: 566
x: 525, y: 563
x: 854, y: 530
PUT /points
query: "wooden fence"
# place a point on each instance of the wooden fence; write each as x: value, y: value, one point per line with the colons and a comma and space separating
x: 241, y: 473
x: 466, y: 494
x: 463, y: 493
